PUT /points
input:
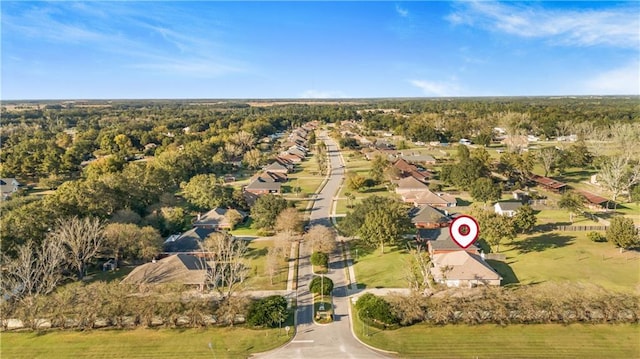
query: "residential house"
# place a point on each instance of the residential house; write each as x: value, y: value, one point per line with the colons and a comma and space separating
x: 285, y: 156
x: 181, y: 268
x: 277, y: 167
x: 429, y: 217
x: 384, y: 144
x: 406, y: 169
x: 217, y: 219
x: 434, y: 199
x: 463, y: 269
x: 439, y: 240
x: 508, y: 209
x: 8, y: 186
x: 417, y: 157
x: 296, y: 152
x: 187, y: 241
x: 285, y: 162
x: 409, y: 184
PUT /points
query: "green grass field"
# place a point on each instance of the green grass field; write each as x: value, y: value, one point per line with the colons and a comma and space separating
x: 512, y: 341
x: 236, y: 342
x: 256, y: 260
x: 570, y: 256
x: 374, y: 269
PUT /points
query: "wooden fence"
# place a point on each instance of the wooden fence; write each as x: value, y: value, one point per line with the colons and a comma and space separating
x: 581, y: 228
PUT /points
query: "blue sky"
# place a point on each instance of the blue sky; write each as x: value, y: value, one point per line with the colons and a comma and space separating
x: 114, y: 50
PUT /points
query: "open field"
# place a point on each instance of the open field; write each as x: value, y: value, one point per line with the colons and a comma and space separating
x: 256, y: 261
x: 142, y: 343
x: 570, y: 256
x: 512, y: 341
x: 374, y: 269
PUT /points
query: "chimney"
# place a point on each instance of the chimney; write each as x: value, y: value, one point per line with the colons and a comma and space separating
x: 199, y: 216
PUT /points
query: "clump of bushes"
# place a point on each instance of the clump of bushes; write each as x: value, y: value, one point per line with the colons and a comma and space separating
x: 319, y: 259
x: 376, y: 311
x: 596, y: 237
x: 318, y: 283
x: 268, y: 312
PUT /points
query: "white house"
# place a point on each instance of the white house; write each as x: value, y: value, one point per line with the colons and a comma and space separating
x: 508, y: 209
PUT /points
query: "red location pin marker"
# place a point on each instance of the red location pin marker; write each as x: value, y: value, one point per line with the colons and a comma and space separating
x: 464, y: 230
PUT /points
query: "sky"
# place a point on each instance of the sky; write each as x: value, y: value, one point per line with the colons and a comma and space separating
x: 243, y: 50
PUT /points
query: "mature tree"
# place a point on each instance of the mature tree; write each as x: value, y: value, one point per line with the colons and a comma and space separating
x: 206, y: 192
x: 282, y: 244
x: 252, y: 158
x: 231, y: 307
x: 82, y: 237
x: 233, y: 217
x: 384, y: 225
x: 228, y: 269
x: 268, y: 312
x: 418, y: 270
x: 322, y: 238
x: 378, y: 165
x: 572, y: 202
x: 483, y: 189
x: 623, y: 233
x: 464, y: 173
x: 289, y: 220
x: 462, y: 152
x: 131, y: 242
x: 495, y: 228
x: 266, y: 210
x: 355, y: 182
x: 548, y: 158
x: 525, y: 219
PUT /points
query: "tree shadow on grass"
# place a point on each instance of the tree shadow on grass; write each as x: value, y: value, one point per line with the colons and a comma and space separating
x: 505, y: 271
x: 256, y: 252
x: 543, y: 242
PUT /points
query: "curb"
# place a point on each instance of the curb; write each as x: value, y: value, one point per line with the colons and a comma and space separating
x: 360, y: 341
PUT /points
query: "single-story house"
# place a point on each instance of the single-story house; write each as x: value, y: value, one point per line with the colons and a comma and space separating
x: 383, y: 144
x: 406, y: 169
x: 416, y: 157
x: 187, y: 241
x: 8, y: 186
x: 463, y: 269
x: 508, y: 209
x: 439, y: 241
x: 260, y: 186
x: 290, y: 158
x: 182, y: 268
x: 285, y: 162
x: 277, y: 167
x: 429, y: 217
x: 410, y: 184
x: 217, y: 219
x: 426, y: 197
x: 297, y: 152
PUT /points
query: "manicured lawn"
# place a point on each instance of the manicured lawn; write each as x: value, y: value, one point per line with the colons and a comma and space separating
x: 244, y: 229
x: 374, y: 269
x: 512, y: 341
x: 142, y: 343
x: 258, y: 278
x: 570, y: 256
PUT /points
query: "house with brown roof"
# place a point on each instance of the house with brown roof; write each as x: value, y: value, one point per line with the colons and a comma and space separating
x: 185, y: 269
x: 463, y: 269
x: 290, y: 158
x: 429, y: 217
x: 434, y: 199
x: 408, y: 170
x: 439, y: 240
x: 217, y: 219
x: 594, y: 201
x: 409, y: 184
x: 277, y: 167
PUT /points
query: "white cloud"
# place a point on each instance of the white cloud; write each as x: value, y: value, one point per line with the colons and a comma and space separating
x: 321, y: 94
x: 438, y: 89
x: 624, y: 80
x: 615, y: 26
x: 401, y: 11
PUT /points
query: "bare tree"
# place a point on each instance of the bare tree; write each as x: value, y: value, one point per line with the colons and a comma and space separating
x: 227, y: 269
x: 82, y: 237
x: 289, y: 220
x: 231, y: 307
x: 548, y: 157
x: 282, y: 244
x: 617, y: 176
x: 322, y: 238
x: 272, y: 264
x: 418, y: 270
x: 37, y: 269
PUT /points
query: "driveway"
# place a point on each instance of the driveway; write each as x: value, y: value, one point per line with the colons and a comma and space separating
x: 333, y: 340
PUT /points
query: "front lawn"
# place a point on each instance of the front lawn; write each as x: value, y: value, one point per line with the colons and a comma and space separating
x: 374, y: 269
x: 238, y: 342
x: 511, y: 341
x: 570, y: 256
x: 256, y: 261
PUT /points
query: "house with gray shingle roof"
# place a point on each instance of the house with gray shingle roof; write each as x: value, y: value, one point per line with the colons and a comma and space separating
x: 8, y: 186
x: 508, y: 209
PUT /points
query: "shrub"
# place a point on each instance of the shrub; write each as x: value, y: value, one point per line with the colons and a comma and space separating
x: 376, y: 311
x: 317, y: 283
x: 269, y: 311
x: 319, y: 259
x: 596, y: 237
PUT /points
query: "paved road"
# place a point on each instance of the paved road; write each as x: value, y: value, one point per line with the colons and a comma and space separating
x: 333, y: 340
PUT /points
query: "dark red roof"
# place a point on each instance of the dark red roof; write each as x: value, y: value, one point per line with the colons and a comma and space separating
x: 548, y: 182
x: 593, y: 198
